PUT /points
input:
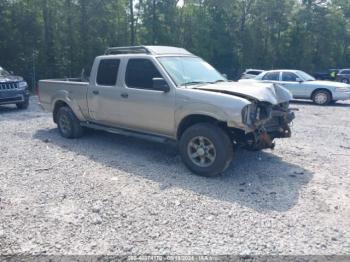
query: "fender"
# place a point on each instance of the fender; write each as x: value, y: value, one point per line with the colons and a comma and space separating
x: 223, y: 107
x: 64, y: 96
x: 199, y: 109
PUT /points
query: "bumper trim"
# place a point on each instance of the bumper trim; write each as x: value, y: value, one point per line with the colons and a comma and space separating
x: 341, y: 96
x: 12, y: 100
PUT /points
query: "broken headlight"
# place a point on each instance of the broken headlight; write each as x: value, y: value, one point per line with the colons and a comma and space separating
x: 256, y: 114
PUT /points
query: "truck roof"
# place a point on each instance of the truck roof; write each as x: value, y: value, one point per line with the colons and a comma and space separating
x: 148, y: 50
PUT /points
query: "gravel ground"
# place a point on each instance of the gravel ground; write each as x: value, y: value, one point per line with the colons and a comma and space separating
x: 108, y: 194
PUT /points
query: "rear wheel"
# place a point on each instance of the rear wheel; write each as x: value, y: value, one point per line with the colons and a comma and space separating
x: 322, y: 97
x: 206, y: 149
x: 68, y: 124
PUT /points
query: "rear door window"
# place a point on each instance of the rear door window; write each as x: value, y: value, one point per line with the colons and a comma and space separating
x: 273, y: 76
x: 107, y: 73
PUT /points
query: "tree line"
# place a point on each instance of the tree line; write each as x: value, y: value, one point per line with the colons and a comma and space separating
x: 57, y: 38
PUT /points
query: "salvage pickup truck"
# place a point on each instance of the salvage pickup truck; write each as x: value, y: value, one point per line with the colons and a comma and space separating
x: 167, y: 93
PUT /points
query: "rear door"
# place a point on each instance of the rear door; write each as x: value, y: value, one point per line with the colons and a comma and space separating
x: 272, y: 77
x: 103, y: 96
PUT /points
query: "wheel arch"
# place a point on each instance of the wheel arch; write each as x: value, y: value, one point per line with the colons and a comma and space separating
x: 193, y: 119
x: 321, y: 89
x: 57, y: 105
x: 62, y: 98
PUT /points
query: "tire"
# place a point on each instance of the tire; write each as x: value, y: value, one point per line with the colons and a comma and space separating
x: 68, y: 124
x: 24, y: 105
x: 322, y: 97
x: 209, y: 142
x: 345, y: 80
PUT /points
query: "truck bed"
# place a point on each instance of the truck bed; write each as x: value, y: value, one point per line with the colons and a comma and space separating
x: 76, y: 80
x: 67, y: 89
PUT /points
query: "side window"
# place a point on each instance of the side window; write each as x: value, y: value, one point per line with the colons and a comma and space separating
x: 107, y: 72
x: 289, y: 77
x: 139, y: 74
x: 345, y: 72
x: 273, y: 76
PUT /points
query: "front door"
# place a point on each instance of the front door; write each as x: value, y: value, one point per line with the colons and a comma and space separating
x: 292, y: 82
x: 142, y: 107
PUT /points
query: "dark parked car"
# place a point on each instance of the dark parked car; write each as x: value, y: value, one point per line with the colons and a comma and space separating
x: 13, y: 90
x: 330, y: 74
x: 344, y: 76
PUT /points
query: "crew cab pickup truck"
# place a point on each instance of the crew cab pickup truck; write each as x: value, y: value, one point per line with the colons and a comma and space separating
x: 13, y: 90
x: 168, y: 93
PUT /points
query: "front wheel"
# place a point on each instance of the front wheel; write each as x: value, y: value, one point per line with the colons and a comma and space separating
x: 206, y: 149
x: 23, y: 105
x: 322, y: 97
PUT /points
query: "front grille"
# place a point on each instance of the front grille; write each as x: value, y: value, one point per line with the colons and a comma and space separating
x: 8, y: 86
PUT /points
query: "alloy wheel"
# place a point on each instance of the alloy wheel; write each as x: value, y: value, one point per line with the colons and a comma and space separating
x: 201, y: 151
x: 321, y: 98
x: 64, y: 124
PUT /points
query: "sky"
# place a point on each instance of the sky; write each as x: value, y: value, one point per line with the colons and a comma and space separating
x: 180, y: 3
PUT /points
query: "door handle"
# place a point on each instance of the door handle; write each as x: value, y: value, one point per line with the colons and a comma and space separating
x: 124, y: 95
x: 95, y: 92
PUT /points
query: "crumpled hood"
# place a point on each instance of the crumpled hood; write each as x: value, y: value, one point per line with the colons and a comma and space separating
x: 263, y: 92
x: 10, y: 79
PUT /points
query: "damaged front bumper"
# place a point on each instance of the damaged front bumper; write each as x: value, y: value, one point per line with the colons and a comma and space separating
x: 266, y: 123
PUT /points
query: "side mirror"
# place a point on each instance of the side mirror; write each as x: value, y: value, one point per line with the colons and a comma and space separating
x: 299, y: 80
x: 160, y: 84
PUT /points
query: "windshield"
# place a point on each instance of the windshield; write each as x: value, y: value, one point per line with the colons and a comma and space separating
x: 190, y: 70
x: 3, y: 72
x: 305, y: 76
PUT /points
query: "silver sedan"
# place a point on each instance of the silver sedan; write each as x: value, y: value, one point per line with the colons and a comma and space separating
x: 304, y: 86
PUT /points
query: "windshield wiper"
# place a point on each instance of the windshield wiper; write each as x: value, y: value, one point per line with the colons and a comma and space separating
x: 194, y: 83
x: 218, y: 81
x: 202, y: 82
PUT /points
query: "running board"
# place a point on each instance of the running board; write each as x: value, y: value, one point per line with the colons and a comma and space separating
x: 124, y: 132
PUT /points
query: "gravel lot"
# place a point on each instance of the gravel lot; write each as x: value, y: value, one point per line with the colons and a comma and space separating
x: 108, y: 194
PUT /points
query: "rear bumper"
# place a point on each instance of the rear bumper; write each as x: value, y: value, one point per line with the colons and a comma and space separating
x: 13, y: 96
x: 341, y: 96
